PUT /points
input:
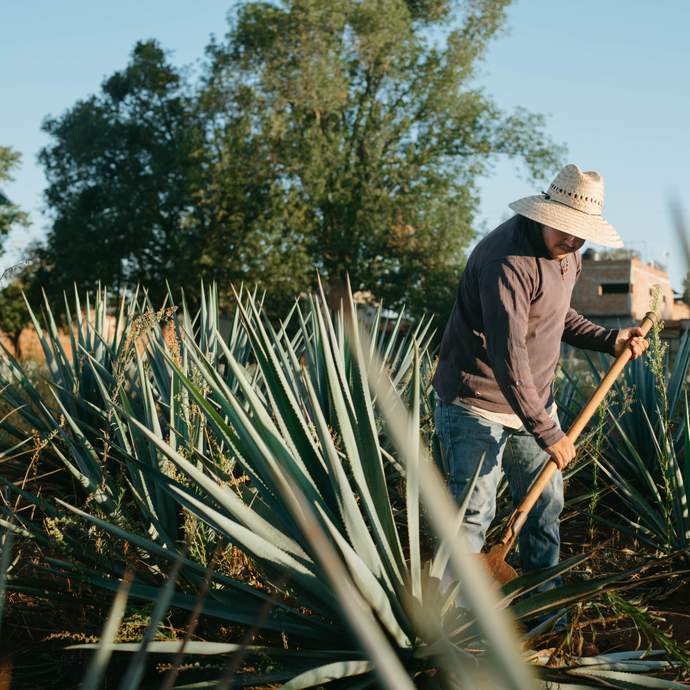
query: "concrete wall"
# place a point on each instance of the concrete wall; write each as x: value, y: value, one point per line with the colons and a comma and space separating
x: 617, y: 293
x: 592, y: 296
x: 588, y: 297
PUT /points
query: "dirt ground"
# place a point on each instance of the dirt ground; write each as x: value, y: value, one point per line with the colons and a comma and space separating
x: 667, y: 598
x: 36, y: 632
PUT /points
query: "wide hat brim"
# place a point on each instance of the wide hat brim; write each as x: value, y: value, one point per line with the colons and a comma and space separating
x: 562, y: 217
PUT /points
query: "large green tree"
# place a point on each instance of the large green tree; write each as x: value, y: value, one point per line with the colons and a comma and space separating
x: 372, y: 132
x: 10, y: 214
x: 135, y: 200
x: 340, y: 135
x: 14, y: 316
x: 121, y: 171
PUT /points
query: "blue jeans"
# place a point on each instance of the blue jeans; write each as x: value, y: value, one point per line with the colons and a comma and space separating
x: 465, y: 436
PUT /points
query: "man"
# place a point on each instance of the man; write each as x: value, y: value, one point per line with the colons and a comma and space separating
x: 500, y: 350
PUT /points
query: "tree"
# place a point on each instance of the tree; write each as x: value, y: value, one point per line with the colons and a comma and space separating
x: 371, y: 133
x: 121, y: 172
x: 338, y: 135
x: 10, y: 214
x: 135, y: 201
x: 14, y: 316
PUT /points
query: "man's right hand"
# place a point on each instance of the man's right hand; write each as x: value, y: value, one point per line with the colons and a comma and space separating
x: 562, y: 452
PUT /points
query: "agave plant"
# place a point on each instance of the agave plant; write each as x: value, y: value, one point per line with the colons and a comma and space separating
x: 657, y: 500
x: 640, y: 390
x: 284, y: 442
x: 642, y: 447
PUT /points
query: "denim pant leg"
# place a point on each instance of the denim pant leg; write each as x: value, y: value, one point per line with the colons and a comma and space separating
x: 540, y: 543
x: 465, y: 436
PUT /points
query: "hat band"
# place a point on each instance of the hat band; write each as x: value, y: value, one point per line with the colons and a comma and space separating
x: 548, y: 197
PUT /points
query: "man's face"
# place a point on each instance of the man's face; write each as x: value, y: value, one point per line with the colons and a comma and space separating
x: 560, y: 244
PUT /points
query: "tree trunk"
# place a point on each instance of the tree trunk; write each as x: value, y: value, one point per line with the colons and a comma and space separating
x: 336, y: 293
x: 14, y: 339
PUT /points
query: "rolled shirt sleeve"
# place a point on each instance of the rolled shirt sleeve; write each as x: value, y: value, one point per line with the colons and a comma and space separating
x: 580, y: 332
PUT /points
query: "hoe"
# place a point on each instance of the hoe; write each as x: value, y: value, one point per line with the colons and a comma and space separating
x: 495, y: 558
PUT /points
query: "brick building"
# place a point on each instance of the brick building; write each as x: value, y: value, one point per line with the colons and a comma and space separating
x: 617, y: 292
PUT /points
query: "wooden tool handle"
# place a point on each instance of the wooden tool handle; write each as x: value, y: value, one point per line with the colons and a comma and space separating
x: 519, y: 515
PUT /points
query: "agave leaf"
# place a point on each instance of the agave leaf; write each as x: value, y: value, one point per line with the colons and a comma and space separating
x: 302, y: 466
x: 56, y: 364
x: 18, y: 403
x: 373, y: 593
x: 155, y: 507
x: 377, y: 507
x: 225, y: 498
x: 249, y: 596
x: 359, y: 616
x: 246, y: 680
x: 611, y: 657
x: 527, y: 582
x: 620, y: 679
x: 77, y: 568
x: 5, y: 555
x: 327, y: 673
x: 640, y: 506
x: 302, y: 574
x: 387, y: 354
x: 136, y: 668
x: 686, y: 467
x: 92, y: 477
x: 585, y: 590
x: 290, y: 421
x: 314, y: 354
x: 251, y: 446
x: 680, y: 369
x: 631, y: 493
x: 443, y: 551
x: 21, y: 531
x: 197, y: 647
x: 679, y: 497
x: 348, y: 508
x: 99, y: 661
x: 76, y: 364
x: 626, y: 525
x: 635, y: 666
x: 238, y: 610
x: 366, y: 429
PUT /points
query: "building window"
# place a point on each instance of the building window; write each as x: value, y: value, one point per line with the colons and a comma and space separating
x: 615, y: 288
x: 651, y: 294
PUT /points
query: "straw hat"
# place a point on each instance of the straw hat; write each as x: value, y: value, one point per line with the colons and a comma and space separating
x: 572, y: 204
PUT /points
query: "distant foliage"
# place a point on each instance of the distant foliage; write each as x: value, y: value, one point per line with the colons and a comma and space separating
x: 324, y: 135
x: 10, y: 214
x: 121, y: 173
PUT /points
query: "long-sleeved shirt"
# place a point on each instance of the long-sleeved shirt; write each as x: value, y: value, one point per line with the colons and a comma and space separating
x: 502, y: 341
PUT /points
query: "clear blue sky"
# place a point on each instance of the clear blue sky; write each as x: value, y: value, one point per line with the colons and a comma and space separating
x: 612, y: 75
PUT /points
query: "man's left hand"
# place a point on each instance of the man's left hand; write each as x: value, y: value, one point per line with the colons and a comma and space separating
x: 638, y: 344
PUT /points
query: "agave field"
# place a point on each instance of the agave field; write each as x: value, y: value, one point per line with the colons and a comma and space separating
x: 265, y: 508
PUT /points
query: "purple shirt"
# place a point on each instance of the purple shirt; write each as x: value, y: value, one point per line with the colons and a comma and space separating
x: 502, y: 341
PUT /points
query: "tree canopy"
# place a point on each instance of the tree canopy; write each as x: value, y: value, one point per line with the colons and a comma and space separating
x: 13, y: 313
x: 10, y: 214
x: 340, y: 135
x: 121, y: 174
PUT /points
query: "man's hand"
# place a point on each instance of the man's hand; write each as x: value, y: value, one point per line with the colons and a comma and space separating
x: 562, y: 452
x: 638, y: 344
